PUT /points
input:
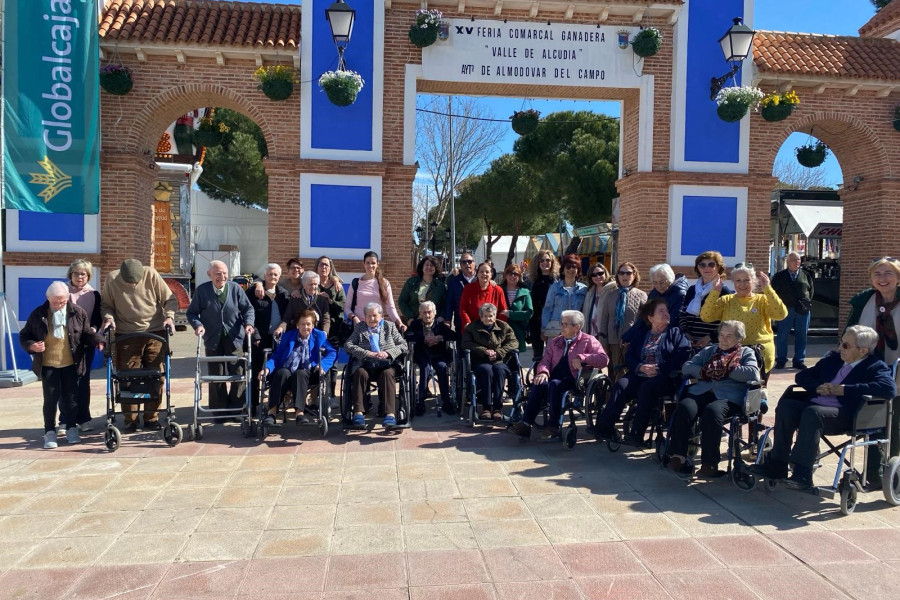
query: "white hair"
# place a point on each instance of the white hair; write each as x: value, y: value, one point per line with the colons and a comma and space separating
x: 215, y: 263
x: 272, y: 267
x: 665, y: 269
x: 57, y: 289
x: 575, y: 316
x: 738, y: 326
x: 373, y: 306
x: 427, y: 304
x: 865, y: 337
x: 486, y: 307
x: 749, y: 271
x: 307, y: 275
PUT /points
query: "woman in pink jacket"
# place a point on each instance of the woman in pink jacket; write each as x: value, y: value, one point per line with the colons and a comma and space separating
x: 555, y: 375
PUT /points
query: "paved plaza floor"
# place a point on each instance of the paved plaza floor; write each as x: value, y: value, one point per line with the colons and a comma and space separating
x: 438, y: 511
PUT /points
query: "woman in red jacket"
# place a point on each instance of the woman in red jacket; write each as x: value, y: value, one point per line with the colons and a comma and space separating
x: 478, y: 292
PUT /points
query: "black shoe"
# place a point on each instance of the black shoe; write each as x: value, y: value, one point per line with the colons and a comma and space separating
x: 798, y: 365
x: 605, y: 433
x: 131, y: 427
x: 152, y: 426
x: 448, y: 408
x: 521, y: 429
x: 269, y: 420
x: 301, y: 419
x: 769, y: 470
x: 799, y: 483
x: 874, y: 484
x: 633, y: 440
x: 780, y: 364
x: 419, y: 409
x: 710, y: 472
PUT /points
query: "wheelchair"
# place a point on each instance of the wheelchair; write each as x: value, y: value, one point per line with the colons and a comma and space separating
x: 871, y: 427
x: 659, y: 419
x: 319, y: 413
x: 405, y: 386
x: 416, y: 376
x: 468, y: 389
x: 585, y: 401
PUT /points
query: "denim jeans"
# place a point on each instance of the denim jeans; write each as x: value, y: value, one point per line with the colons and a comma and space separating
x: 800, y: 323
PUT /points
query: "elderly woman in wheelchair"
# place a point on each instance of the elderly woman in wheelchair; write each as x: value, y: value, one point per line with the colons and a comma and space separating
x: 722, y: 372
x: 302, y: 358
x: 833, y: 392
x: 489, y: 341
x: 431, y: 342
x: 374, y: 348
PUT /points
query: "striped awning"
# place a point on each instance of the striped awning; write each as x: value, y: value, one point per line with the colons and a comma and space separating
x: 594, y: 244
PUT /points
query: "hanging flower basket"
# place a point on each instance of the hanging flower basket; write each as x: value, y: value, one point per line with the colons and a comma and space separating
x: 276, y: 82
x: 778, y: 107
x: 116, y: 79
x: 647, y: 42
x: 525, y: 121
x: 341, y: 87
x: 210, y: 132
x: 734, y: 102
x: 812, y: 155
x: 425, y: 31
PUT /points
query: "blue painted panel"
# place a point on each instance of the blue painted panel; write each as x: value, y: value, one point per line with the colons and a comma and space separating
x: 32, y: 293
x: 708, y: 223
x: 51, y: 227
x: 352, y: 204
x: 342, y: 127
x: 23, y: 359
x: 707, y: 138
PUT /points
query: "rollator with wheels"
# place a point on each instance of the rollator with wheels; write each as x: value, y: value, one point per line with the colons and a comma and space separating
x: 238, y: 371
x: 136, y: 387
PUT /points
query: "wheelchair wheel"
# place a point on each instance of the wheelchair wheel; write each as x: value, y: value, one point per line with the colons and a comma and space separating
x: 112, y: 438
x: 848, y: 497
x: 770, y: 484
x: 743, y: 479
x: 198, y: 432
x: 172, y: 434
x: 662, y: 447
x: 890, y: 478
x: 263, y: 431
x: 614, y: 443
x: 247, y: 428
x: 570, y: 437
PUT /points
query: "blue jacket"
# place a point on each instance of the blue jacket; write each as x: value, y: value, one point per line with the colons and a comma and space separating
x: 734, y: 387
x: 674, y: 348
x: 558, y: 300
x: 455, y: 287
x: 289, y: 341
x: 674, y: 297
x: 871, y: 377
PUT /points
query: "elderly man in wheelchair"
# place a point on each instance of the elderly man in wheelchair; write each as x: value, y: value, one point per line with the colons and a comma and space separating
x: 374, y: 348
x: 722, y: 373
x: 833, y: 392
x: 432, y: 352
x: 302, y: 358
x: 557, y: 371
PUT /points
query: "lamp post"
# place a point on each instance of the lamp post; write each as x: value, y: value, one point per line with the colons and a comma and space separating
x: 340, y: 18
x: 736, y: 45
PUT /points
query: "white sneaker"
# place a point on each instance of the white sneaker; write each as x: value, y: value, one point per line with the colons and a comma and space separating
x: 60, y: 430
x: 50, y: 440
x: 85, y: 427
x: 72, y: 436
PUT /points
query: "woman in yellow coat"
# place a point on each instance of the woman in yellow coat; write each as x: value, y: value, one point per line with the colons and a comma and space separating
x: 755, y: 310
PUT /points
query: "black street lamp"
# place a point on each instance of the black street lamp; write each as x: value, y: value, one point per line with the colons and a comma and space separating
x: 736, y: 45
x: 340, y: 18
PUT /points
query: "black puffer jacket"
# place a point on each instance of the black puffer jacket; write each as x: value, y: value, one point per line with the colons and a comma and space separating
x: 78, y: 329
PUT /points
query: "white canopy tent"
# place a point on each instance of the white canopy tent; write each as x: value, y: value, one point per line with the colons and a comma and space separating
x: 500, y: 249
x: 216, y: 223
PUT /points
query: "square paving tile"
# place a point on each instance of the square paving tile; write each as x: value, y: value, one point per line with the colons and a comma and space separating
x: 661, y: 556
x: 374, y: 594
x: 618, y: 504
x: 235, y: 519
x: 438, y: 536
x: 496, y: 509
x: 516, y: 532
x: 435, y: 489
x: 51, y: 503
x: 524, y: 563
x: 645, y: 526
x: 67, y: 552
x: 446, y: 567
x: 294, y: 542
x: 302, y: 516
x: 820, y: 547
x: 705, y: 584
x: 266, y: 462
x: 220, y: 545
x: 180, y: 499
x: 299, y: 575
x: 308, y: 494
x: 532, y: 486
x: 795, y: 582
x: 144, y: 548
x: 747, y: 551
x: 880, y: 543
x: 367, y: 539
x: 558, y: 505
x: 622, y: 587
x: 539, y: 590
x: 118, y: 581
x: 243, y: 497
x: 422, y: 471
x: 368, y: 492
x: 167, y: 521
x: 383, y: 513
x: 38, y: 584
x: 428, y: 511
x: 363, y: 474
x: 453, y: 592
x: 486, y: 487
x: 610, y: 558
x: 198, y: 478
x: 570, y: 530
x: 372, y: 571
x: 202, y: 579
x: 479, y: 470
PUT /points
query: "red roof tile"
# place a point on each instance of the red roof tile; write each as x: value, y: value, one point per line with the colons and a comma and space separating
x: 777, y: 52
x: 203, y: 22
x: 885, y: 21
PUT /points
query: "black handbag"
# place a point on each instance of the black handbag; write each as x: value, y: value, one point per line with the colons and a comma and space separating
x: 802, y: 306
x: 376, y: 364
x: 340, y: 332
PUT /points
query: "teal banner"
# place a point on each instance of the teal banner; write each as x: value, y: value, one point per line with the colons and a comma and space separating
x: 51, y: 118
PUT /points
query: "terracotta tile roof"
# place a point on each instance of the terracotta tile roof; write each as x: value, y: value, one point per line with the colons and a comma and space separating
x: 884, y: 22
x: 777, y: 52
x: 202, y: 22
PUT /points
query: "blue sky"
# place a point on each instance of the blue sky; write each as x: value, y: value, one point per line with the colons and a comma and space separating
x: 834, y: 17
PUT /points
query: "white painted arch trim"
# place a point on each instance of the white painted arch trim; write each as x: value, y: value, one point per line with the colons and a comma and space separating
x: 306, y: 182
x: 90, y: 244
x: 677, y: 194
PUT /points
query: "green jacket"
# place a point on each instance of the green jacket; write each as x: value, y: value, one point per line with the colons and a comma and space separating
x: 408, y: 303
x: 519, y: 314
x: 858, y: 303
x: 478, y: 339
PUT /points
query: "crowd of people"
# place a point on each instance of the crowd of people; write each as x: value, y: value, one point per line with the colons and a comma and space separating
x: 723, y: 336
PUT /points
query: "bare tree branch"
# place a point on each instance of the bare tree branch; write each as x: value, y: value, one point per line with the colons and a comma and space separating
x: 793, y: 175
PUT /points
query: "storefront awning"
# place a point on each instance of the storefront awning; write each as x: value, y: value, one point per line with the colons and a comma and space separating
x: 594, y: 244
x: 808, y: 219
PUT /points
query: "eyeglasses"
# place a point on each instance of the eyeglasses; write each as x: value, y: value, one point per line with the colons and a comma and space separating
x: 466, y: 262
x: 744, y: 265
x: 567, y: 267
x: 79, y: 274
x: 543, y: 260
x: 296, y: 268
x: 881, y: 258
x: 845, y: 346
x: 625, y: 273
x: 513, y: 275
x: 564, y: 324
x: 598, y: 274
x: 707, y: 265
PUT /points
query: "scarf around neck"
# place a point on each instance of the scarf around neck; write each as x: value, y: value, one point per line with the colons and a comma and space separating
x: 884, y: 325
x: 720, y: 364
x: 620, y: 306
x: 59, y: 323
x: 700, y: 291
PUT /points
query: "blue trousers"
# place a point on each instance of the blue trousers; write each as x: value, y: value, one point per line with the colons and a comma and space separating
x: 550, y: 391
x: 800, y: 323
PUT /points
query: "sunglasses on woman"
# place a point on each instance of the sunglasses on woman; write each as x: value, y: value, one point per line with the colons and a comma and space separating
x: 598, y: 274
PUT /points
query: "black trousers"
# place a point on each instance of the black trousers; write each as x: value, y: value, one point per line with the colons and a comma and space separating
x: 219, y: 394
x: 713, y: 413
x: 551, y: 391
x: 810, y: 421
x: 298, y: 382
x: 439, y: 364
x: 489, y: 381
x: 59, y: 390
x: 645, y: 390
x: 83, y: 387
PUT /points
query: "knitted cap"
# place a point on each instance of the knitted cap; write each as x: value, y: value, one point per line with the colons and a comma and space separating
x: 132, y: 271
